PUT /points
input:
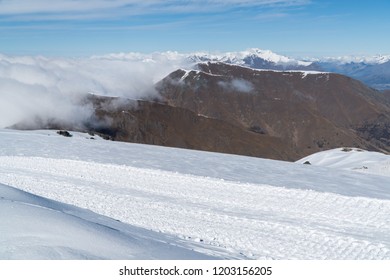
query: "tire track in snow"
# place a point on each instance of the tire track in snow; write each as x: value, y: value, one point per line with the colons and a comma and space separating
x: 257, y: 221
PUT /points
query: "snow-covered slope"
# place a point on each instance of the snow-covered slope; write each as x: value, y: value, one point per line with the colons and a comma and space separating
x: 220, y: 205
x: 33, y: 227
x: 352, y: 159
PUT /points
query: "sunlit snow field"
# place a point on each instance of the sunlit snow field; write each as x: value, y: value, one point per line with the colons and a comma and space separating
x: 131, y: 201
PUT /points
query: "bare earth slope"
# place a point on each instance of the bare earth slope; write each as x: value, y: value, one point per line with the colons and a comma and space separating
x: 166, y: 125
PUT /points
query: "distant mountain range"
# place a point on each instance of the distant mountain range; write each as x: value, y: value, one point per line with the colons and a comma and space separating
x: 374, y: 71
x: 257, y: 59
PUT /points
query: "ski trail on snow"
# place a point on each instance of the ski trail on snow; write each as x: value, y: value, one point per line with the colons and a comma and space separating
x: 248, y: 220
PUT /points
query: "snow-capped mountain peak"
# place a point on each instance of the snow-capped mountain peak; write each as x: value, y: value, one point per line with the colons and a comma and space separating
x: 267, y: 55
x: 372, y: 60
x: 254, y: 57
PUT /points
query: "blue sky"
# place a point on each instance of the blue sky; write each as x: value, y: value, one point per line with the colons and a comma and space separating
x: 291, y: 27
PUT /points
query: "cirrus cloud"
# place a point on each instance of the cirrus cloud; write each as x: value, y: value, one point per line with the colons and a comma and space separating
x: 71, y: 9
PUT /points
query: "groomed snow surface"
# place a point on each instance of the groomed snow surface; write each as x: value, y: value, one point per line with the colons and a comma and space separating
x: 82, y: 198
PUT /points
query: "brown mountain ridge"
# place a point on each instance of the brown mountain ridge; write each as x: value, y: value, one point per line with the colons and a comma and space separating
x: 307, y: 111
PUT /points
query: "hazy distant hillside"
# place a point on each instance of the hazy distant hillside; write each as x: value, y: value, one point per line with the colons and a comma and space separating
x: 376, y: 75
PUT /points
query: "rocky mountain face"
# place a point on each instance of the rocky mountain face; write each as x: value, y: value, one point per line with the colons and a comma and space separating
x: 306, y: 111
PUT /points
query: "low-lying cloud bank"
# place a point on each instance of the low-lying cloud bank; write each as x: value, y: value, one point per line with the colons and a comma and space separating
x: 51, y: 88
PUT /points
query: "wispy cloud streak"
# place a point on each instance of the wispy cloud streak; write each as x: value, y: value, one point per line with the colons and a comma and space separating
x: 90, y: 9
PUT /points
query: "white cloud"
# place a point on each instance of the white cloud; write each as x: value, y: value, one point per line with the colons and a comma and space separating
x: 239, y: 85
x: 50, y: 88
x: 24, y: 102
x: 103, y: 8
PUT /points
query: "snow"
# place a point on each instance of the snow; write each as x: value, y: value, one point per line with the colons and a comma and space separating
x: 196, y: 76
x: 186, y: 73
x: 366, y: 59
x: 305, y: 73
x: 33, y: 227
x: 236, y: 58
x: 218, y: 205
x: 271, y: 57
x: 352, y: 159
